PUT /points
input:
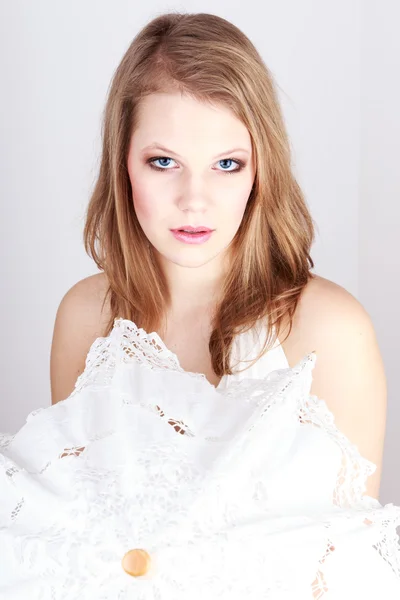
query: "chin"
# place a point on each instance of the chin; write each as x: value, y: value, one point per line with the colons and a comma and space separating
x: 192, y: 262
x: 197, y: 257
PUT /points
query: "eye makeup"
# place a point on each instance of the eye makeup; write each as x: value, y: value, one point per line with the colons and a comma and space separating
x: 241, y: 164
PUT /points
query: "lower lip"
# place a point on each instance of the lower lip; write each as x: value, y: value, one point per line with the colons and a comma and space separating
x: 192, y: 238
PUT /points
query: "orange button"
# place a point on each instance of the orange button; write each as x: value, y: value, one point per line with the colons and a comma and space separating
x: 136, y: 562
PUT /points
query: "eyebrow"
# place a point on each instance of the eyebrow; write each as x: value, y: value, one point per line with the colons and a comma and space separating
x: 157, y: 146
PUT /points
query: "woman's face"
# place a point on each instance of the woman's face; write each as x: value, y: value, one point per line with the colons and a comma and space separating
x: 202, y: 176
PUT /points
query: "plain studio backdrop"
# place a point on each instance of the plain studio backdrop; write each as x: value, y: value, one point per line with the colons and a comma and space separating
x: 337, y: 68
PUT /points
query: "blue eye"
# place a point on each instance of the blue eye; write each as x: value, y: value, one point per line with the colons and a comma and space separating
x: 161, y: 158
x: 228, y: 160
x: 165, y: 167
x: 239, y: 165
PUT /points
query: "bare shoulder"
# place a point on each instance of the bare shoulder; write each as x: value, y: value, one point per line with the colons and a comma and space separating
x: 83, y: 305
x: 349, y: 372
x: 324, y: 313
x: 80, y: 319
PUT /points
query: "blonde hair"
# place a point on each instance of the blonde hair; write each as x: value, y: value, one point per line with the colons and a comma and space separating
x: 210, y: 59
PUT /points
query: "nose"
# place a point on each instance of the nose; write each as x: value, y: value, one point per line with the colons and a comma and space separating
x: 193, y: 195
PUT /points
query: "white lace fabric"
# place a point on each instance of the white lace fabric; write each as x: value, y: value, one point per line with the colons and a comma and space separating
x: 245, y: 491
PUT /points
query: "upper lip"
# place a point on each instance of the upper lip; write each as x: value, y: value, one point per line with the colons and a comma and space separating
x: 190, y: 228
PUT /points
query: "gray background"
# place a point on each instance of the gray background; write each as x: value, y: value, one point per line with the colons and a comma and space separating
x: 336, y: 65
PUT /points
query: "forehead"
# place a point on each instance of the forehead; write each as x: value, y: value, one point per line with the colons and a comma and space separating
x: 175, y: 118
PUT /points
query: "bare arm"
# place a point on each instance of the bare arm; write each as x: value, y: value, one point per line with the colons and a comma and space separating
x: 79, y: 321
x: 349, y: 372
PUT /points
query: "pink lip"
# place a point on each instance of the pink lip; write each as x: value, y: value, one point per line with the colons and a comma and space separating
x: 192, y: 238
x: 198, y: 229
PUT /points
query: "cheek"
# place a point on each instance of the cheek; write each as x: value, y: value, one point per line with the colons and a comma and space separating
x: 236, y: 204
x: 143, y: 200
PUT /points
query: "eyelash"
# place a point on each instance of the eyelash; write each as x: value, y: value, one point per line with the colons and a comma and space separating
x: 236, y: 160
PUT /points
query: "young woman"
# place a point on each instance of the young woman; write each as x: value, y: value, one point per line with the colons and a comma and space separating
x: 194, y: 137
x: 202, y: 236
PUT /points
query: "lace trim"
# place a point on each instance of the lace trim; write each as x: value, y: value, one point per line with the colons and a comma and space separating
x: 135, y: 344
x: 126, y: 343
x: 5, y: 439
x: 165, y: 467
x: 354, y: 468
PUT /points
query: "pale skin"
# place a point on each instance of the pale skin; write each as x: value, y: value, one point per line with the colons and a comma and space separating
x: 349, y: 372
x: 198, y: 186
x: 195, y: 189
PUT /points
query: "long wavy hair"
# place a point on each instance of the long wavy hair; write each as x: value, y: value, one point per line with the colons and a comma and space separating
x: 210, y: 59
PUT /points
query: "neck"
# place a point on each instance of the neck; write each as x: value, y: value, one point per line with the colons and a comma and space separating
x: 194, y: 289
